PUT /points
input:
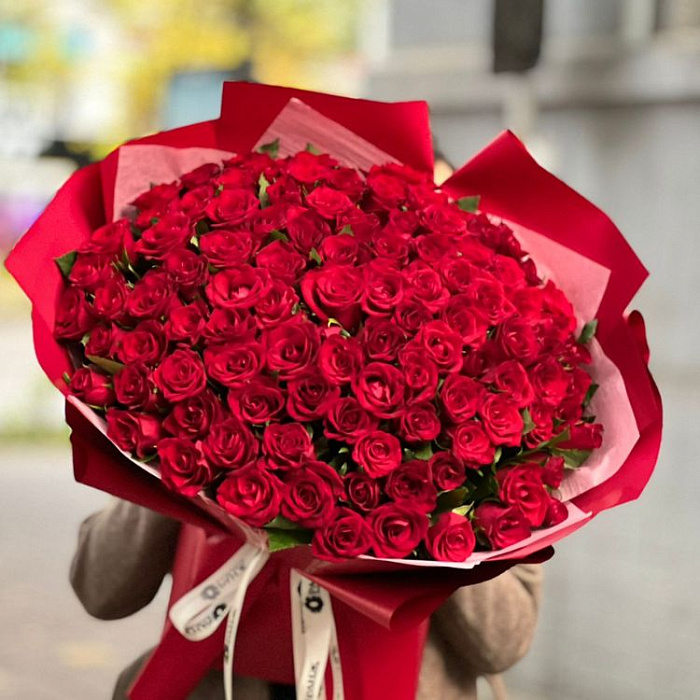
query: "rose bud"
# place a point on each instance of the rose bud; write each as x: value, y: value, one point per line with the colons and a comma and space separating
x: 230, y: 444
x: 378, y: 453
x: 502, y: 420
x: 413, y: 482
x: 133, y: 432
x: 587, y: 436
x: 180, y: 375
x: 346, y: 535
x: 419, y: 423
x: 346, y: 420
x: 291, y: 348
x: 310, y: 396
x: 92, y: 387
x: 397, y: 529
x: 252, y: 494
x: 287, y: 445
x: 522, y: 487
x: 380, y: 389
x: 451, y: 538
x: 363, y: 491
x: 195, y: 416
x: 183, y: 467
x: 557, y: 513
x: 448, y: 471
x: 501, y: 525
x: 73, y: 316
x: 258, y: 402
x: 553, y: 472
x: 471, y: 444
x: 310, y: 494
x: 460, y: 397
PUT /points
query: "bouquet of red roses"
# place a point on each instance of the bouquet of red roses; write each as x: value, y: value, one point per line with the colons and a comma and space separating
x: 304, y: 340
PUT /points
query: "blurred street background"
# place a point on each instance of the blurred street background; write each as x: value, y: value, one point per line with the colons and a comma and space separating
x: 606, y: 94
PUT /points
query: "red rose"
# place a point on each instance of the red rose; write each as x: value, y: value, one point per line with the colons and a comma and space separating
x: 363, y: 491
x: 232, y: 206
x: 521, y: 486
x: 233, y: 365
x: 471, y: 444
x: 157, y: 196
x: 346, y: 420
x: 489, y: 297
x: 458, y: 274
x: 194, y: 203
x: 397, y: 528
x: 444, y: 219
x: 224, y: 248
x: 251, y: 494
x: 340, y: 250
x: 388, y: 190
x: 502, y: 525
x: 281, y: 261
x: 308, y: 167
x: 382, y: 339
x: 511, y: 378
x: 230, y: 324
x: 185, y: 323
x: 460, y: 397
x: 276, y: 306
x: 466, y: 319
x: 425, y: 286
x: 258, y: 402
x: 502, y: 420
x: 553, y: 472
x: 380, y: 389
x: 328, y: 202
x: 550, y: 381
x: 442, y: 345
x: 334, y: 292
x: 168, y: 233
x: 587, y: 436
x: 110, y: 300
x: 146, y: 343
x: 543, y: 418
x: 201, y: 175
x: 134, y: 386
x: 284, y: 190
x: 448, y: 471
x: 238, y: 287
x: 287, y: 445
x: 291, y: 348
x: 557, y: 513
x: 113, y: 239
x: 340, y: 359
x: 310, y: 396
x: 102, y: 341
x: 348, y: 180
x: 310, y: 494
x: 378, y: 453
x: 151, y: 296
x: 195, y: 416
x: 420, y: 373
x: 412, y: 482
x: 306, y: 229
x: 451, y: 538
x: 230, y: 444
x: 346, y: 535
x: 92, y: 387
x: 516, y: 339
x: 392, y: 248
x: 133, y: 432
x: 186, y: 269
x: 383, y: 289
x: 73, y: 317
x: 183, y: 467
x: 180, y: 375
x: 410, y: 316
x: 420, y: 423
x: 90, y: 271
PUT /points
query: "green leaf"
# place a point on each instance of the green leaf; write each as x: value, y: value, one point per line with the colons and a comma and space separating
x: 272, y: 149
x: 65, y: 262
x: 463, y: 510
x: 588, y: 332
x: 263, y: 184
x: 201, y: 227
x: 276, y: 235
x: 281, y: 523
x: 529, y: 424
x: 424, y: 452
x: 66, y: 377
x: 449, y: 500
x: 346, y: 231
x: 106, y: 364
x: 470, y: 204
x: 573, y: 459
x: 590, y: 394
x: 278, y: 539
x: 312, y: 149
x: 313, y: 255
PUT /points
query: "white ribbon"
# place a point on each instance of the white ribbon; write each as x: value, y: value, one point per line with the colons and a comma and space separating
x: 314, y: 639
x: 199, y: 614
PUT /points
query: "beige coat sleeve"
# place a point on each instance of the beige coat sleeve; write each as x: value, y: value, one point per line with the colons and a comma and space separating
x: 490, y: 625
x: 123, y: 554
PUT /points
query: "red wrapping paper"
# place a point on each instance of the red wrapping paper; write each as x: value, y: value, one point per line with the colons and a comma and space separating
x: 380, y: 614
